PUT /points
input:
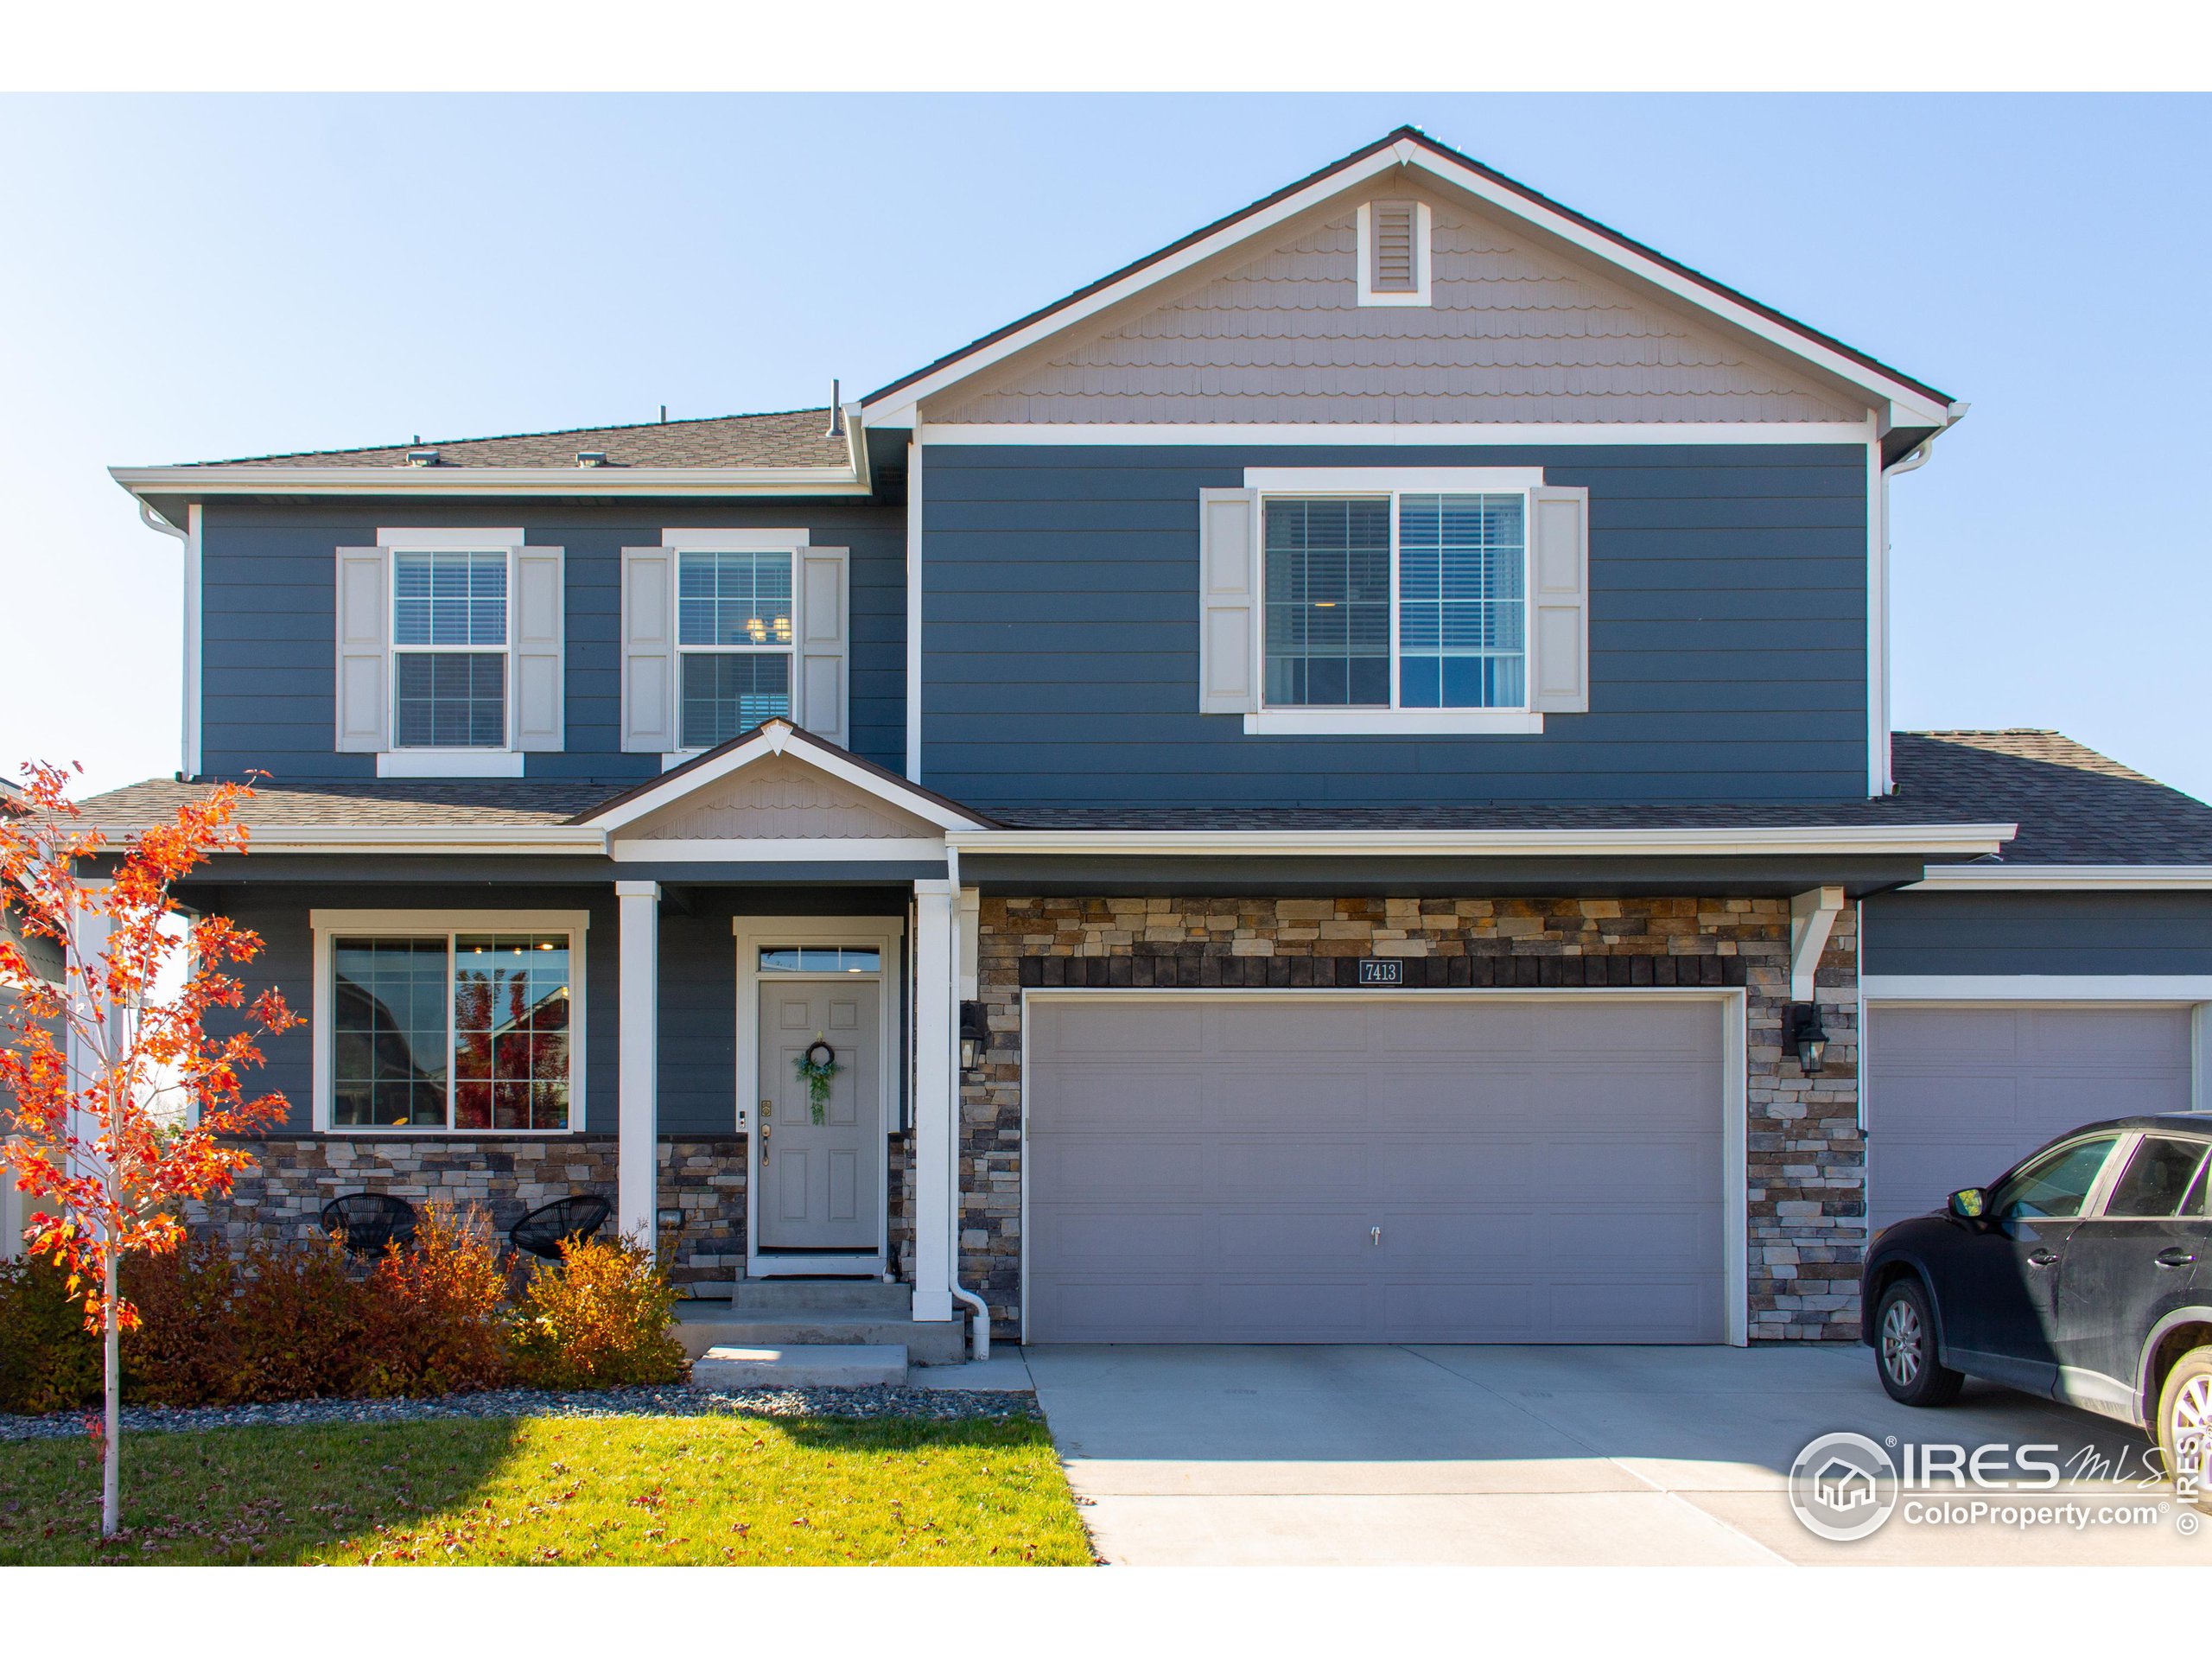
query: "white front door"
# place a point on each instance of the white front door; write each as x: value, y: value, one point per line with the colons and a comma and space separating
x: 819, y: 1166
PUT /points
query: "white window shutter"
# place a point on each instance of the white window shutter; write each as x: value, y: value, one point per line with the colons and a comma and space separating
x: 1559, y: 600
x: 363, y: 612
x: 648, y: 650
x: 535, y: 629
x: 1229, y: 601
x: 821, y: 700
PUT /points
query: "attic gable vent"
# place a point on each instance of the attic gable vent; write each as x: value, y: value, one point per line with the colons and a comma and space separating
x: 1393, y: 253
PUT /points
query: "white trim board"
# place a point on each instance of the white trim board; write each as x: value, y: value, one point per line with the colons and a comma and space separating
x: 1908, y: 405
x: 2065, y: 878
x: 326, y: 924
x: 778, y: 851
x: 450, y: 763
x: 1410, y: 434
x: 1734, y: 1103
x: 452, y: 538
x: 1490, y: 844
x: 684, y: 539
x: 582, y: 482
x: 1393, y: 722
x: 1386, y: 479
x: 2037, y: 988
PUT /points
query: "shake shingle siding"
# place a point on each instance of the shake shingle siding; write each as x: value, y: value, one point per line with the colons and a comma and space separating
x: 1727, y: 635
x: 268, y: 671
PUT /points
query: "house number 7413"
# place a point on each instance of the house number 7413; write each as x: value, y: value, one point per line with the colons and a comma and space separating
x: 1382, y: 973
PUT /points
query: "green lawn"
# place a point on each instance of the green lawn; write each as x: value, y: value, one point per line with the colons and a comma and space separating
x: 780, y: 1492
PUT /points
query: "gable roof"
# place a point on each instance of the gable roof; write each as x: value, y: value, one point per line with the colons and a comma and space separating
x: 894, y: 403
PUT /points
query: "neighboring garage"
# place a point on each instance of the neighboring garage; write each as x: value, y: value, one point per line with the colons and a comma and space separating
x: 1247, y: 1167
x: 1956, y: 1093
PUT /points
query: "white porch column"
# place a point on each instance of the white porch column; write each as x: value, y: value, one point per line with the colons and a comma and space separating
x: 80, y: 1055
x: 638, y: 1124
x: 937, y: 1020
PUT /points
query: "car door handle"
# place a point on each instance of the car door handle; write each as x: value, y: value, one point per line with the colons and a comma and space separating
x: 2173, y: 1258
x: 2043, y: 1258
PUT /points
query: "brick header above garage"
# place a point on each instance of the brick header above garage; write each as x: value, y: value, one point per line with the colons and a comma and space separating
x: 1804, y: 1153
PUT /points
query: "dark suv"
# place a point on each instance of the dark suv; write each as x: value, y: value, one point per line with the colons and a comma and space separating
x: 2084, y: 1274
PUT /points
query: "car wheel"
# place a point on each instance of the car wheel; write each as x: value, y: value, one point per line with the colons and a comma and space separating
x: 2185, y: 1424
x: 1904, y: 1349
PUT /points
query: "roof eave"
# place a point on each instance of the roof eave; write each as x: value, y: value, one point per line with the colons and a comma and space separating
x: 172, y: 482
x: 1926, y: 841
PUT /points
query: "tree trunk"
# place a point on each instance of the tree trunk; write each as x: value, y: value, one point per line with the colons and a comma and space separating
x: 112, y: 1458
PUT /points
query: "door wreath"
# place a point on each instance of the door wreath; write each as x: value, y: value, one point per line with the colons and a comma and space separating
x: 818, y: 1065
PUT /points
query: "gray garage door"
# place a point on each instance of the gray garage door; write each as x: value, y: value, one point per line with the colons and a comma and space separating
x: 1258, y: 1169
x: 1955, y: 1096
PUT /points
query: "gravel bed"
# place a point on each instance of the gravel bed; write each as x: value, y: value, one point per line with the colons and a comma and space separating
x: 674, y: 1401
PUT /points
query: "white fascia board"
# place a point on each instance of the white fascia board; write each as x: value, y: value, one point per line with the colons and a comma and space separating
x: 2067, y: 878
x: 776, y: 738
x: 1342, y: 481
x: 1906, y: 406
x: 2037, y: 988
x: 1826, y: 840
x: 556, y: 838
x: 488, y: 480
x: 795, y: 849
x: 1415, y: 435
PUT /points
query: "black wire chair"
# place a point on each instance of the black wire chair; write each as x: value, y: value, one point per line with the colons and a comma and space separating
x: 544, y: 1231
x: 367, y: 1224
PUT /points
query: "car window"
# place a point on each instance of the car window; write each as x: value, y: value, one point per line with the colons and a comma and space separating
x: 2054, y: 1186
x: 2194, y: 1204
x: 2158, y: 1176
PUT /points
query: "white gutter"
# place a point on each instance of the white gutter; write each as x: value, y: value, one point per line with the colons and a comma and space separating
x: 1952, y: 840
x: 980, y: 1328
x: 397, y: 839
x: 490, y: 480
x: 2066, y: 878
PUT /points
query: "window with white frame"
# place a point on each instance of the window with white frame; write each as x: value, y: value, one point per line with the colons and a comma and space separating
x: 1395, y: 600
x: 735, y: 641
x: 449, y: 648
x: 465, y: 1029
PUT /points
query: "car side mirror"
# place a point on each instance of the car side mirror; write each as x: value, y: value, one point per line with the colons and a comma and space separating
x: 1969, y: 1204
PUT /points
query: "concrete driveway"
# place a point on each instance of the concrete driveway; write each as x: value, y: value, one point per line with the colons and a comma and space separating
x: 1533, y: 1456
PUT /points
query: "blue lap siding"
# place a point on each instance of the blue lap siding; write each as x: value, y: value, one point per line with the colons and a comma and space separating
x: 1727, y: 634
x: 267, y: 677
x: 2038, y: 933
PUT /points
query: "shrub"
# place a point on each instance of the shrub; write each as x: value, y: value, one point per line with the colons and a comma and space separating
x: 189, y: 1345
x: 597, y: 1321
x: 48, y: 1361
x: 435, y: 1323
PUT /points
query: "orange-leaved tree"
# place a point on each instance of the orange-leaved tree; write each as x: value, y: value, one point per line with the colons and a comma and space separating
x: 122, y: 1099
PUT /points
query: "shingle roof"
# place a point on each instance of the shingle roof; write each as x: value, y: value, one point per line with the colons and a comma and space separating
x: 2074, y: 805
x: 796, y: 437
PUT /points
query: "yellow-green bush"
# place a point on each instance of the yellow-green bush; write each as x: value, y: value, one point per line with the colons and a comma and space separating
x: 598, y: 1318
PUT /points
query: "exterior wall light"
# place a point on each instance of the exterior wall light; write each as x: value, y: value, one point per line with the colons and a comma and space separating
x: 1801, y: 1033
x: 973, y: 1036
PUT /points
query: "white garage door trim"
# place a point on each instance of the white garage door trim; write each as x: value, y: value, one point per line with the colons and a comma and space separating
x: 1735, y: 1170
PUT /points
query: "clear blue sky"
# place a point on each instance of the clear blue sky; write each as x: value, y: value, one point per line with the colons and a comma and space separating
x: 196, y: 277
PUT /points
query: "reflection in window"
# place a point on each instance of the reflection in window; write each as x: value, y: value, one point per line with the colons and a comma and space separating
x: 2159, y: 1174
x: 734, y: 632
x: 510, y: 1031
x: 388, y: 1031
x: 2053, y: 1186
x: 820, y: 959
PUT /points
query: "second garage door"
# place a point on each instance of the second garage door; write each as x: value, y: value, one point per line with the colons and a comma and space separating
x: 1247, y: 1168
x: 1957, y: 1094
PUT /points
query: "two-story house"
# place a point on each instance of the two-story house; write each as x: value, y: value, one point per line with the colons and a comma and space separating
x: 1335, y: 784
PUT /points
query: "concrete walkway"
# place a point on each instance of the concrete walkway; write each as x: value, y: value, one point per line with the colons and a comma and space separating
x: 1534, y: 1455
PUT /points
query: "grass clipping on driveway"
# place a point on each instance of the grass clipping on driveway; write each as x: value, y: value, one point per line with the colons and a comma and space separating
x: 690, y: 1490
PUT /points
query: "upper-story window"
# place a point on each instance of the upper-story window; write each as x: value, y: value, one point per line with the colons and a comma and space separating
x: 1396, y: 602
x: 450, y: 649
x: 734, y: 642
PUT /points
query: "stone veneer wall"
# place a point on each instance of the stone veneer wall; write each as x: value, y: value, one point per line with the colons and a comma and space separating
x: 295, y: 1175
x: 1805, y: 1150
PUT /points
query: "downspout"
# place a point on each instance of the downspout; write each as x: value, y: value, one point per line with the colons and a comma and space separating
x: 1910, y: 462
x: 979, y: 1338
x: 188, y: 761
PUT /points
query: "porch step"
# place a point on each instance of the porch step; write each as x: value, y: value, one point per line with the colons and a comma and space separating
x: 823, y: 1295
x: 801, y: 1365
x: 935, y: 1343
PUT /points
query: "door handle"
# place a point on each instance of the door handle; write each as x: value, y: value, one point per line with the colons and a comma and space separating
x: 2173, y: 1258
x: 2043, y: 1258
